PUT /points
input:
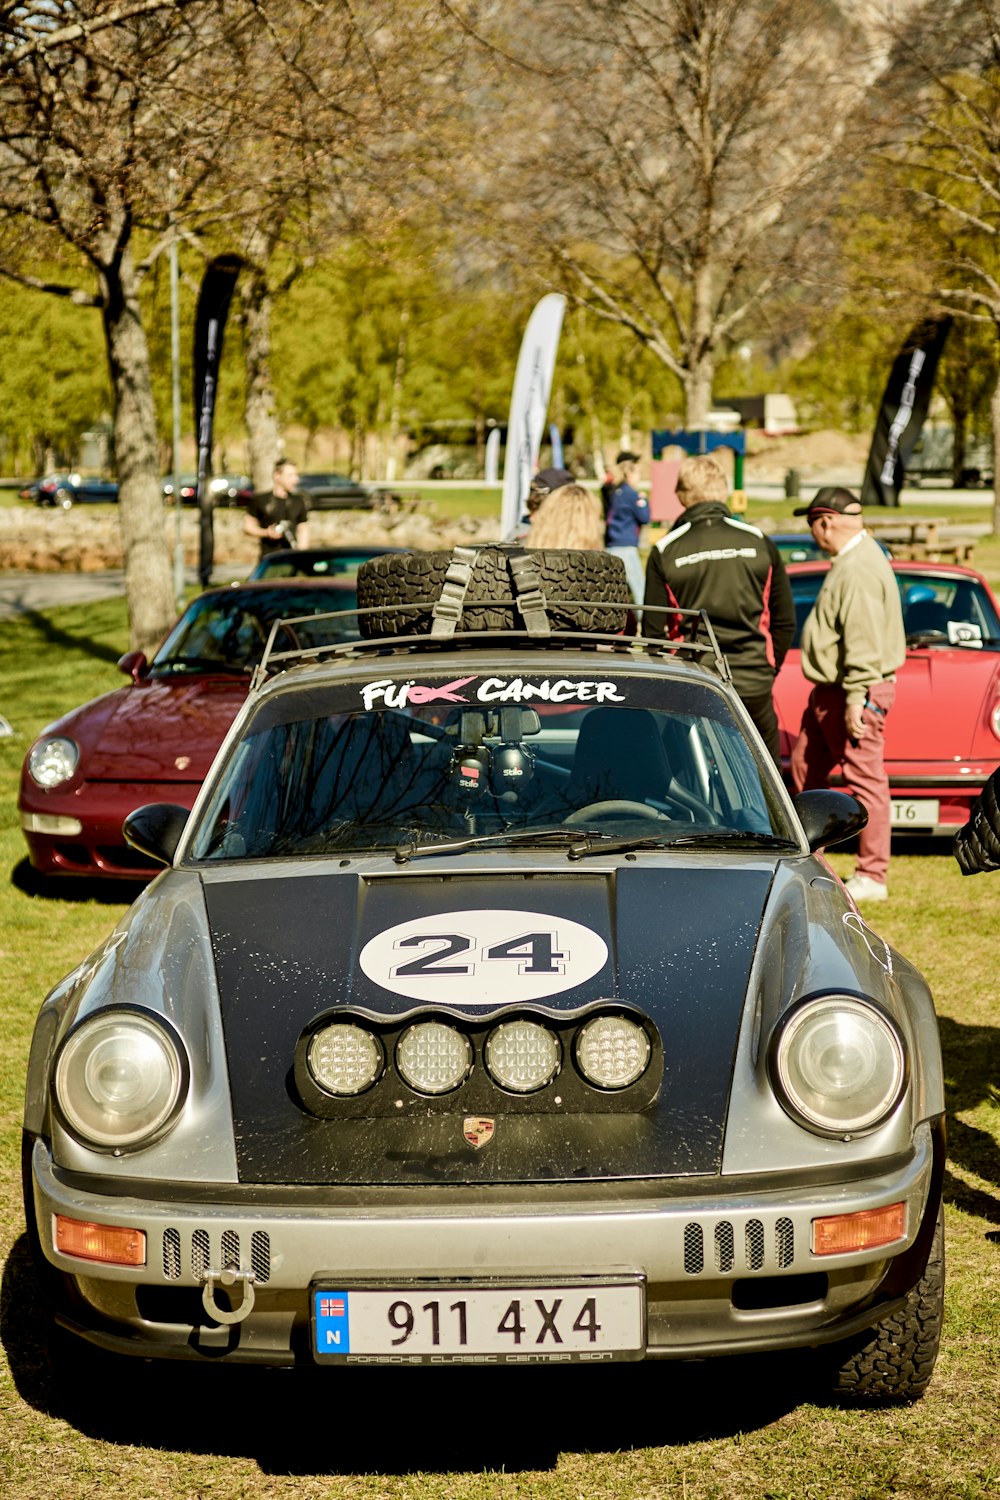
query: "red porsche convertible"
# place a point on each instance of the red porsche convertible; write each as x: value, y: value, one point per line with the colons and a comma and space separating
x: 942, y: 737
x: 155, y: 738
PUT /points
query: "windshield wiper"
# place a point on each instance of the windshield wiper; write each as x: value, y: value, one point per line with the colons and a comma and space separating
x: 497, y: 840
x: 720, y: 837
x: 198, y: 664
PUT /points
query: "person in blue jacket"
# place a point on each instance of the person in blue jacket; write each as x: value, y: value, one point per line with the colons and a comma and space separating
x: 628, y: 512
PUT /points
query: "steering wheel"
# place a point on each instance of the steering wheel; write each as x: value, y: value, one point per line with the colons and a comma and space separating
x: 612, y: 809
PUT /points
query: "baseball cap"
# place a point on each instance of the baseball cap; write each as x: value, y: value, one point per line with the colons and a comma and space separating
x: 551, y: 479
x: 625, y: 457
x: 831, y: 499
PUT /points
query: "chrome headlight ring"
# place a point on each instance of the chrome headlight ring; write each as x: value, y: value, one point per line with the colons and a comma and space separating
x: 120, y: 1079
x: 838, y: 1065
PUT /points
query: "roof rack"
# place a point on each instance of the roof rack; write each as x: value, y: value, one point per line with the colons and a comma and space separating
x: 700, y: 645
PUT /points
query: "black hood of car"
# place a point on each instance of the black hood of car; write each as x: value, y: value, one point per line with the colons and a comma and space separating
x: 674, y: 945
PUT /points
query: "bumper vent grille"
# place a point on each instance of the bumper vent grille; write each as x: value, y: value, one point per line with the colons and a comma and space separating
x: 205, y: 1251
x: 754, y: 1246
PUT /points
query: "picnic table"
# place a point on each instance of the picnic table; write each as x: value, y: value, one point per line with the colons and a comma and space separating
x: 931, y: 539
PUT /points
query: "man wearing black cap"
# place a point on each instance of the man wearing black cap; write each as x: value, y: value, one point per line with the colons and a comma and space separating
x: 853, y: 643
x: 627, y: 514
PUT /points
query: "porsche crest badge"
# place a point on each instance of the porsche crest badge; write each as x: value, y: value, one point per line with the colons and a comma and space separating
x: 477, y: 1130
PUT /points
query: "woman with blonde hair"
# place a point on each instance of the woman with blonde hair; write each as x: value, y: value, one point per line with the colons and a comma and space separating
x: 570, y: 516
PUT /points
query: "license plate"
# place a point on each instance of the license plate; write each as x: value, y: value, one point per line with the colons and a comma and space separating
x: 920, y: 812
x: 499, y: 1324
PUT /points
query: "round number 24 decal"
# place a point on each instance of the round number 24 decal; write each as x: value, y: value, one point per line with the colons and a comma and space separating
x: 484, y: 957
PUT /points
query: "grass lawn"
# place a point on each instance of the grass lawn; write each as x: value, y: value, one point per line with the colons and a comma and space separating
x: 735, y: 1430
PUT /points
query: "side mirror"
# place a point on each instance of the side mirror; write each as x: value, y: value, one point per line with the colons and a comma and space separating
x: 156, y: 830
x: 829, y: 817
x: 133, y: 664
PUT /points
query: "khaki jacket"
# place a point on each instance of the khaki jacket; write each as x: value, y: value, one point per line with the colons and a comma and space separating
x: 853, y: 636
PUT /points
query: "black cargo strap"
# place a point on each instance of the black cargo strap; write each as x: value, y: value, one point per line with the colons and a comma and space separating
x: 447, y: 611
x: 529, y: 597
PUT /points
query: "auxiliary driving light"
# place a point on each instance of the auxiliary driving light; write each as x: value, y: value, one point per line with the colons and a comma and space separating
x: 612, y: 1052
x: 522, y: 1056
x: 433, y: 1058
x: 345, y: 1059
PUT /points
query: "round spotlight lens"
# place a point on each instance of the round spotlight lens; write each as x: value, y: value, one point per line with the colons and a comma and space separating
x: 522, y: 1056
x: 612, y: 1052
x: 841, y: 1065
x: 433, y: 1058
x: 51, y: 762
x: 344, y: 1059
x: 118, y: 1080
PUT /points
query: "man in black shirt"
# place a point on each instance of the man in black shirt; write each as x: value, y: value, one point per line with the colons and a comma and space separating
x: 713, y: 561
x: 279, y: 517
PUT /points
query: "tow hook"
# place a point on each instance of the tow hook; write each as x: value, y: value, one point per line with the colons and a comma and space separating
x: 228, y: 1277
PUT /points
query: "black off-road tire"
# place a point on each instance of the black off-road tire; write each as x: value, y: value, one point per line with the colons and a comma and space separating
x: 895, y: 1362
x: 416, y: 578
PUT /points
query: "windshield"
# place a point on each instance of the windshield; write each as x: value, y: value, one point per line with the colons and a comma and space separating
x: 938, y: 608
x: 227, y: 630
x: 398, y: 764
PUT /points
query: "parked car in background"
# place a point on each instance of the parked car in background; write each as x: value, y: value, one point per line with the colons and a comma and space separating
x: 798, y: 546
x: 496, y: 1007
x: 225, y: 489
x: 335, y: 492
x: 316, y: 562
x: 156, y: 737
x: 67, y: 490
x: 942, y: 737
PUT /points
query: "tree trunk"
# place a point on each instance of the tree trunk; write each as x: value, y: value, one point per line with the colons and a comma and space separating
x: 396, y: 403
x: 258, y: 406
x: 698, y: 395
x: 148, y: 585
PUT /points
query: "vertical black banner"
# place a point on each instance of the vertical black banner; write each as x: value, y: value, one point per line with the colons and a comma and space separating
x: 901, y: 415
x: 214, y: 298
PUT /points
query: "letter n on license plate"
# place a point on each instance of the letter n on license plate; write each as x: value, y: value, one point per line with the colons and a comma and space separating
x: 571, y: 1322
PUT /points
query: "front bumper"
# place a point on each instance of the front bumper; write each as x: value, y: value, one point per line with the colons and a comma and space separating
x: 725, y: 1272
x: 98, y: 810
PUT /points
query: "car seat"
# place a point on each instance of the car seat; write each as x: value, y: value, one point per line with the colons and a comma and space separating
x: 619, y: 757
x: 925, y: 615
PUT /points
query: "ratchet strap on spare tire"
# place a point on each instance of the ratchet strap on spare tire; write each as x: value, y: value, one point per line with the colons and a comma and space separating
x: 528, y: 596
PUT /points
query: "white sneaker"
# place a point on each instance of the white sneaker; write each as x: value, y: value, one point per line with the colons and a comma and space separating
x: 864, y: 888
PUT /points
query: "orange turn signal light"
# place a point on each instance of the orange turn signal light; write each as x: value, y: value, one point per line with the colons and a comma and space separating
x: 109, y: 1243
x: 842, y: 1233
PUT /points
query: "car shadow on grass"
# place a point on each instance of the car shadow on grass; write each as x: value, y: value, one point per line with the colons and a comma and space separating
x: 26, y: 879
x: 971, y: 1056
x: 442, y: 1421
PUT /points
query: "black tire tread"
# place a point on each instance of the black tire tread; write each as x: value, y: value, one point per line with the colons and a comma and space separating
x: 410, y: 578
x: 895, y: 1364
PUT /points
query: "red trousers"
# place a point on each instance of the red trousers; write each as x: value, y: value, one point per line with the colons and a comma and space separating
x: 823, y: 744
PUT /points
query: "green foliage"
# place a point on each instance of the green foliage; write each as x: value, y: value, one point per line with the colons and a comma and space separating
x: 53, y: 379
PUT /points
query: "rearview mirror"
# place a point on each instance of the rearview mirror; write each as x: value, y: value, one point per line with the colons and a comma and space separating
x: 155, y: 830
x: 133, y: 664
x: 829, y: 817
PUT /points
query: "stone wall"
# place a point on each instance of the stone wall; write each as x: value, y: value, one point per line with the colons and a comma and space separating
x: 41, y: 540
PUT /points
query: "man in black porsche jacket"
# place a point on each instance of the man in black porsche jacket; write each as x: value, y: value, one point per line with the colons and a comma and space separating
x: 710, y: 560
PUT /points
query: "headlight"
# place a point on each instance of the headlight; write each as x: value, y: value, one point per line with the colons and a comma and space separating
x: 838, y: 1065
x: 612, y: 1052
x: 119, y: 1079
x: 522, y: 1056
x: 345, y: 1059
x: 433, y: 1058
x: 51, y: 762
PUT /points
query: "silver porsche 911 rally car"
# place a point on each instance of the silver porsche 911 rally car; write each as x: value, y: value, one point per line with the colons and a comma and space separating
x: 496, y: 1006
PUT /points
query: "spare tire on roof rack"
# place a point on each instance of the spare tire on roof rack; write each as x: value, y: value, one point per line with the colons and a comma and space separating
x: 492, y: 588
